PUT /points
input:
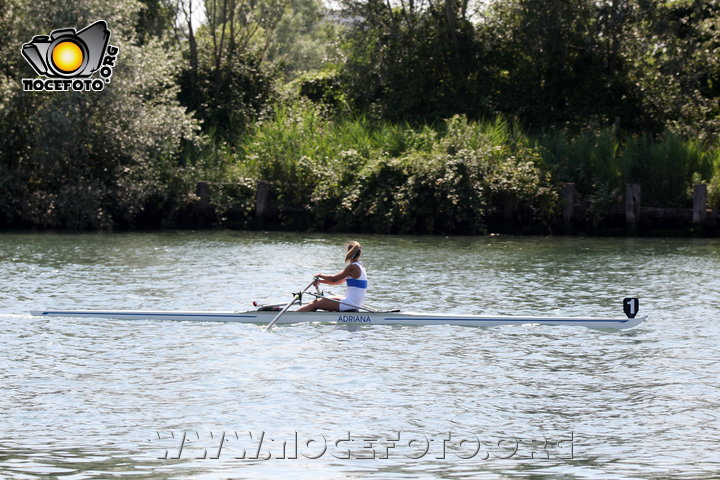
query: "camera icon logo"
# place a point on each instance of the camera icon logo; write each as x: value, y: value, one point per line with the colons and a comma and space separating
x: 67, y: 54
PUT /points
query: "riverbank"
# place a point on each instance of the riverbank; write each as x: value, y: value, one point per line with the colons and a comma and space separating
x: 572, y: 215
x: 305, y: 170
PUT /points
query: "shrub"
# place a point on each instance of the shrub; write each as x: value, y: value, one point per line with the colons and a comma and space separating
x: 455, y: 186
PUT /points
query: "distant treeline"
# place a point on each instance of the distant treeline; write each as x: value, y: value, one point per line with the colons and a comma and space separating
x: 436, y: 116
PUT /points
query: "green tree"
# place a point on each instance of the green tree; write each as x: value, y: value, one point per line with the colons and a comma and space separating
x: 560, y: 62
x: 89, y: 159
x: 156, y: 20
x: 675, y: 50
x: 225, y: 81
x: 414, y: 61
x: 306, y: 38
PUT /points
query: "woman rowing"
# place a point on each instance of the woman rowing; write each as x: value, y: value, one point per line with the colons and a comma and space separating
x: 353, y: 275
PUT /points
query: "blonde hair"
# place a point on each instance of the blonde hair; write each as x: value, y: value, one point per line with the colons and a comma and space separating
x: 354, y: 249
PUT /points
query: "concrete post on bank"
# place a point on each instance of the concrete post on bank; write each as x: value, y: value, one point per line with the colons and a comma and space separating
x: 699, y: 204
x: 632, y: 205
x: 568, y: 204
x: 261, y: 198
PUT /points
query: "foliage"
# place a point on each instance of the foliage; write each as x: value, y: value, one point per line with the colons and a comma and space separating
x: 413, y: 63
x: 642, y: 67
x: 361, y: 175
x: 91, y: 159
x: 665, y: 168
x: 437, y: 192
x: 300, y: 144
x: 675, y: 47
x: 600, y: 163
x: 305, y: 40
x: 437, y: 116
x: 714, y: 186
x: 155, y: 20
x: 224, y: 80
x: 229, y: 99
x: 560, y: 64
x: 460, y: 184
x: 323, y: 87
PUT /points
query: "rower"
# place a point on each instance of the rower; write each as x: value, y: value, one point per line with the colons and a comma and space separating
x: 355, y: 278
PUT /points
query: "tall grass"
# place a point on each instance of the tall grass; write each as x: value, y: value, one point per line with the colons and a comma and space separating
x: 300, y: 142
x: 713, y: 158
x: 599, y: 161
x: 354, y: 173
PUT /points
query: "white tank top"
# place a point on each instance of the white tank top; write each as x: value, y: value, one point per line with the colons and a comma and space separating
x: 356, y: 288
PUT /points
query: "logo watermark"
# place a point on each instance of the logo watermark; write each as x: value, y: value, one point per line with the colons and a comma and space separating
x: 260, y: 445
x: 68, y: 59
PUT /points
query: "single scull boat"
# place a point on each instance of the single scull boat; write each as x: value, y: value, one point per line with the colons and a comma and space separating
x: 390, y: 317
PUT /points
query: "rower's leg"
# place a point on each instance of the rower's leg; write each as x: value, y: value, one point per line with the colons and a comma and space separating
x: 321, y: 304
x: 310, y: 307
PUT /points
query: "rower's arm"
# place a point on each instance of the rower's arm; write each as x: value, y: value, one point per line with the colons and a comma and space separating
x: 349, y: 271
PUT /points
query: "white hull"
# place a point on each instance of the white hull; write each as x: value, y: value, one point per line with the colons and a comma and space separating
x: 358, y: 318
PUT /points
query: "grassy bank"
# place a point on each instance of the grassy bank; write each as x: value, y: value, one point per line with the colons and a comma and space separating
x: 333, y: 172
x: 357, y: 175
x: 459, y: 176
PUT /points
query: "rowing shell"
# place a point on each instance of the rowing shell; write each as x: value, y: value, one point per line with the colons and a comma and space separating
x: 357, y: 318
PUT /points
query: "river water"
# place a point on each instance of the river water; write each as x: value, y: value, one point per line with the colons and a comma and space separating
x: 151, y: 399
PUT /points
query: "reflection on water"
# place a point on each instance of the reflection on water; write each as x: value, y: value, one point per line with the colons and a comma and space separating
x: 102, y: 398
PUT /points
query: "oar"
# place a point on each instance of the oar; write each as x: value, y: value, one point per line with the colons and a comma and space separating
x: 295, y: 297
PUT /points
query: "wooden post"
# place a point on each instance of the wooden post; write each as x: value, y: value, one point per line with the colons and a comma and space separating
x: 202, y: 211
x: 632, y: 205
x: 508, y: 212
x: 202, y: 190
x: 261, y: 198
x: 568, y: 203
x: 699, y: 204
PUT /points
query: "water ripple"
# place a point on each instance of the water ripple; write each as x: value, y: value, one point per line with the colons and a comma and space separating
x: 103, y: 398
